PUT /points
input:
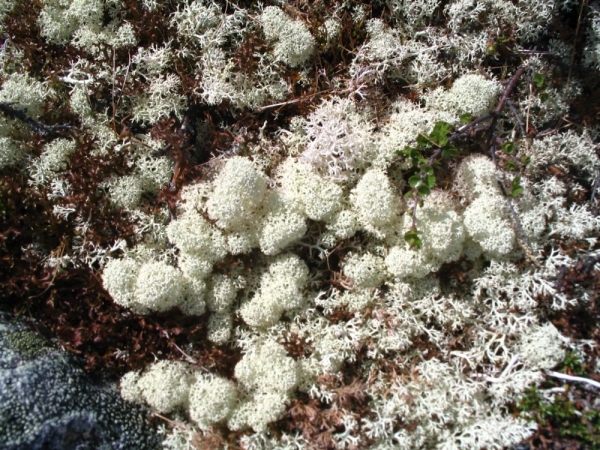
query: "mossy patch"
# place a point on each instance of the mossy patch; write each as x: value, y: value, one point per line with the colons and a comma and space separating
x: 27, y: 344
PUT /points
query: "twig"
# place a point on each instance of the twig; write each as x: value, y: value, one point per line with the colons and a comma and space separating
x: 470, y: 125
x: 515, y: 114
x: 562, y: 376
x: 295, y: 100
x: 188, y: 357
x: 355, y: 88
x: 124, y: 82
x: 512, y: 363
x: 36, y: 127
x: 509, y: 89
x: 522, y: 238
x: 528, y: 105
x: 179, y: 425
x: 572, y: 62
x: 414, y: 214
x: 496, y: 113
x: 526, y: 51
x: 595, y: 190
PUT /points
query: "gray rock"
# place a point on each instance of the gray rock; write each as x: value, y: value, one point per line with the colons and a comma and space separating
x: 47, y: 402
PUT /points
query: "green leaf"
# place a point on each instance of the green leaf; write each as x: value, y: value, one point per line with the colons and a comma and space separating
x: 430, y: 180
x: 525, y: 160
x: 449, y: 151
x: 427, y: 169
x: 517, y: 191
x: 414, y: 154
x: 538, y: 80
x: 423, y: 141
x: 405, y: 152
x: 508, y: 148
x: 510, y: 165
x: 413, y: 239
x: 409, y: 194
x: 414, y: 180
x: 466, y: 118
x: 515, y: 187
x: 440, y: 133
x: 544, y: 96
x: 423, y: 189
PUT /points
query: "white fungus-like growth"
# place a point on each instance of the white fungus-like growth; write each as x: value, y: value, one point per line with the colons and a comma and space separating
x: 154, y: 172
x: 344, y: 224
x: 487, y: 222
x: 222, y: 293
x: 219, y: 328
x: 243, y: 241
x: 294, y: 44
x: 193, y: 234
x: 195, y: 18
x: 129, y: 387
x: 125, y: 192
x: 212, y: 399
x: 59, y: 19
x: 239, y: 190
x: 477, y: 175
x: 365, y: 270
x: 165, y: 385
x: 282, y: 226
x: 591, y: 56
x: 267, y: 376
x: 563, y: 150
x: 404, y: 262
x: 441, y: 229
x: 10, y: 153
x: 406, y: 121
x: 317, y: 197
x: 23, y: 92
x: 292, y: 241
x: 159, y: 287
x: 340, y: 140
x: 493, y: 432
x: 160, y: 99
x: 280, y: 290
x: 195, y: 268
x: 542, y: 347
x: 53, y: 160
x: 119, y: 279
x: 376, y: 202
x: 470, y: 94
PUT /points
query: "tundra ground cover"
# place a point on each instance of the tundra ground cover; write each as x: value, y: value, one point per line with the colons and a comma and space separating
x: 391, y: 205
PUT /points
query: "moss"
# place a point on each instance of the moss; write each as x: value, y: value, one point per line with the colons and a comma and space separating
x: 27, y: 344
x: 563, y: 417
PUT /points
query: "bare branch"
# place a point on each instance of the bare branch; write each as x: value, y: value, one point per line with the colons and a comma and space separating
x: 36, y: 127
x: 562, y: 376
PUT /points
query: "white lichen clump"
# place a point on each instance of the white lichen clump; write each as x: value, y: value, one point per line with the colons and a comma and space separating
x: 339, y: 138
x: 470, y: 94
x: 376, y: 202
x: 543, y: 347
x: 165, y: 386
x: 267, y: 376
x: 239, y: 191
x: 152, y: 286
x: 212, y: 399
x: 294, y: 44
x: 280, y: 291
x: 52, y: 161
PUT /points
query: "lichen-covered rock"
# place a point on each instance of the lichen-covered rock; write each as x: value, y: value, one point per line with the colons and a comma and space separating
x: 46, y: 402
